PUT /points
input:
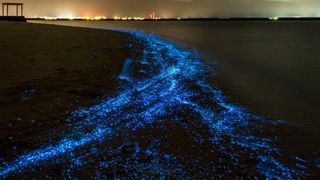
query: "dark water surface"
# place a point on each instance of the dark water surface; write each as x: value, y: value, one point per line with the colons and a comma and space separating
x: 270, y: 68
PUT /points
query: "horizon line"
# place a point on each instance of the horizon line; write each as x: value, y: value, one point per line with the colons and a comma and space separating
x: 101, y: 18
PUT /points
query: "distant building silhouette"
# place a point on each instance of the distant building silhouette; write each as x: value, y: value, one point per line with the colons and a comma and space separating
x: 19, y: 12
x: 153, y: 15
x: 19, y: 6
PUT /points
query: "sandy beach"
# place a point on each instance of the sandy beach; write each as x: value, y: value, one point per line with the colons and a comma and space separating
x: 79, y: 102
x: 180, y: 89
x: 46, y: 72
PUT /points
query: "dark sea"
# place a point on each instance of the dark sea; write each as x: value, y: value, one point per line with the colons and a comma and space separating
x: 271, y: 69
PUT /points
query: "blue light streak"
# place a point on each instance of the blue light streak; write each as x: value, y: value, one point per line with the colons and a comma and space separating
x: 166, y: 82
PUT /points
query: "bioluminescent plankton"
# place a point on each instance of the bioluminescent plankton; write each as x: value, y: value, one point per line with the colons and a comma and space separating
x: 163, y: 90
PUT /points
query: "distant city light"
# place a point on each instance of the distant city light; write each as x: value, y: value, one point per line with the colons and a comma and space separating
x: 274, y: 18
x: 137, y: 18
x: 154, y: 16
x: 97, y: 18
x: 70, y: 17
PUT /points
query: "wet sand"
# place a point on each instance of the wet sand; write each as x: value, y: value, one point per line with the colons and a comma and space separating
x: 269, y: 67
x: 155, y: 130
x: 46, y: 72
x: 52, y: 71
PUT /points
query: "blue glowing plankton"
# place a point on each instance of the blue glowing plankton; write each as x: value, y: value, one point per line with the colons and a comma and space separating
x: 167, y: 121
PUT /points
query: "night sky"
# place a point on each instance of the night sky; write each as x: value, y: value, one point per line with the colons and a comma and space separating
x: 171, y: 8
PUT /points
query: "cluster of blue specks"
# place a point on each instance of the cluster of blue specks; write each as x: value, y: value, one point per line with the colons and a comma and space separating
x: 168, y: 84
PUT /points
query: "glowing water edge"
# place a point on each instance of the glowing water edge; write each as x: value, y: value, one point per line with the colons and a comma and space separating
x: 133, y: 134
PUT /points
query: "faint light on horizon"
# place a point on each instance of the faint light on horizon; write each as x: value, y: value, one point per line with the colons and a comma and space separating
x: 137, y: 18
x: 70, y: 17
x: 274, y: 18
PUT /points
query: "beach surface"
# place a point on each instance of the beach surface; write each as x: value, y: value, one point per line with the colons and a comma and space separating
x: 48, y: 71
x: 78, y: 102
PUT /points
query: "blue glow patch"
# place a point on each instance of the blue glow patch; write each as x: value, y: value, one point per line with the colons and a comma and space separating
x: 168, y: 85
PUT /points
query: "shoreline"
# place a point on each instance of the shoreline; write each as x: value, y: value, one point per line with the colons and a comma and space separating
x: 13, y: 18
x: 183, y: 98
x: 266, y: 19
x: 49, y: 72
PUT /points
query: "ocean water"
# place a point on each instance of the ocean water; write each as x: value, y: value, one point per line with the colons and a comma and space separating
x: 270, y: 68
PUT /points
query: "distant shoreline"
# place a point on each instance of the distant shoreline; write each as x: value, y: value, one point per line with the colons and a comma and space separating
x: 24, y: 19
x: 13, y: 18
x: 193, y: 19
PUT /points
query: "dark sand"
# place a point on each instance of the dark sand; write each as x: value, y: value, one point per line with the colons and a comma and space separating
x: 46, y: 72
x: 270, y: 68
x: 60, y: 69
